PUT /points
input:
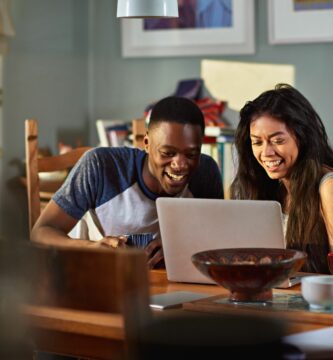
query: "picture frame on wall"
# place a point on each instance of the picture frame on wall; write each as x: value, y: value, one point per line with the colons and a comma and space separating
x: 300, y: 21
x: 201, y: 37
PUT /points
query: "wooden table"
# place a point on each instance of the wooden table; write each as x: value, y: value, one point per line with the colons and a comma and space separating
x: 100, y: 335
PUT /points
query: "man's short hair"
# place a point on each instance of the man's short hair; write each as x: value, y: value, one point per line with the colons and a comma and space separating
x: 176, y: 109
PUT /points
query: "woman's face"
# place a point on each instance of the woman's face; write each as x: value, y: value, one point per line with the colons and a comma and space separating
x: 274, y: 146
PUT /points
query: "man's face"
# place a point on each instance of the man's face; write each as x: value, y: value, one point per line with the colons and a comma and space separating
x: 173, y: 155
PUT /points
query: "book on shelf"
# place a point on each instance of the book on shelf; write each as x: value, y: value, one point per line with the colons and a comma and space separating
x: 218, y: 142
x: 209, y: 147
x: 226, y: 161
x: 112, y: 132
x: 211, y: 150
x: 217, y: 131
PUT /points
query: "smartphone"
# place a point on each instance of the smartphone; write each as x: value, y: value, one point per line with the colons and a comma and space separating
x: 174, y: 299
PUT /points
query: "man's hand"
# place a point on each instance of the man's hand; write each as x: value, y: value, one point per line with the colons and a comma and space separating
x: 114, y: 241
x: 154, y: 252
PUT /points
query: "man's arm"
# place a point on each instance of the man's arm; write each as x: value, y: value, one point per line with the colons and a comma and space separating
x: 52, y: 228
x: 54, y: 224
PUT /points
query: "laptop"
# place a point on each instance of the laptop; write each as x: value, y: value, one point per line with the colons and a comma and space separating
x: 189, y: 225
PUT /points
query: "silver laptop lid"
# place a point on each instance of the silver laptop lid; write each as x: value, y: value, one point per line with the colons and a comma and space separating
x: 190, y: 225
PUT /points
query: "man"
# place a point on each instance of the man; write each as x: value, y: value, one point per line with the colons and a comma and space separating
x: 119, y: 186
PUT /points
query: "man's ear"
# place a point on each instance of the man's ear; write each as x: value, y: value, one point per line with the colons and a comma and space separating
x: 146, y: 142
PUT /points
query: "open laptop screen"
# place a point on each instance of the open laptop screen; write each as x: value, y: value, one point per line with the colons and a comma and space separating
x: 190, y: 225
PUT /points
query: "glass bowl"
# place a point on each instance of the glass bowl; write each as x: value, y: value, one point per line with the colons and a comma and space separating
x: 249, y: 273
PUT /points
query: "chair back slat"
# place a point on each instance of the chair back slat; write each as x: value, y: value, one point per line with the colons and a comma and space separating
x: 61, y: 162
x: 31, y: 156
x: 36, y: 165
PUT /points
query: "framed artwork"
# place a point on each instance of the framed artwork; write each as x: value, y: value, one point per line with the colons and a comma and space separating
x: 300, y: 21
x: 204, y: 27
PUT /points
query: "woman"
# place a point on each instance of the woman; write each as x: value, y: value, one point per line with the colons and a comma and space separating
x: 284, y: 155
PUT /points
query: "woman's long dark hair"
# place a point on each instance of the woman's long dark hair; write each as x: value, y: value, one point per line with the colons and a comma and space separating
x: 306, y: 228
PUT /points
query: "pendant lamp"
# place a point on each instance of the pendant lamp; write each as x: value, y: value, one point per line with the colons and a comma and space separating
x: 147, y: 8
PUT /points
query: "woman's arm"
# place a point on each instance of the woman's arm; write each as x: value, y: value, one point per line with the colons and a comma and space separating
x: 326, y: 197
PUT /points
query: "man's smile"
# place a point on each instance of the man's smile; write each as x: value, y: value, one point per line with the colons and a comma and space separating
x: 177, y: 177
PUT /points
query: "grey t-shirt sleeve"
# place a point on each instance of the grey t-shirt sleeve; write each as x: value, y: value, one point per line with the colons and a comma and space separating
x: 99, y: 176
x: 79, y: 192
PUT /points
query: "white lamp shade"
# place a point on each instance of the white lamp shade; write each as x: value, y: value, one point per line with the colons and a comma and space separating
x: 147, y: 8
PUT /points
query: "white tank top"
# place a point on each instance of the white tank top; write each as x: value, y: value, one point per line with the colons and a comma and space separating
x: 285, y: 217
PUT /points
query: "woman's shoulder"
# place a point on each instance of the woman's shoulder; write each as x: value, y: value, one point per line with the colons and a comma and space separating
x: 326, y: 184
x: 327, y: 175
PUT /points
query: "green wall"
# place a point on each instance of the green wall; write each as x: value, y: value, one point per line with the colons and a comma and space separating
x: 45, y: 76
x: 122, y: 87
x: 65, y: 68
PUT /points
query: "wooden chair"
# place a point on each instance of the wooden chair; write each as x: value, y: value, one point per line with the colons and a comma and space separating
x: 90, y: 281
x: 138, y: 131
x: 76, y: 283
x: 39, y: 194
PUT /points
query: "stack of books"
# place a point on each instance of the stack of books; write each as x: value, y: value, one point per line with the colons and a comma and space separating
x: 219, y: 143
x: 113, y: 132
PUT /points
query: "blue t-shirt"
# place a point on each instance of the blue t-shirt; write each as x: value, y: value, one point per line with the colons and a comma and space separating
x: 107, y: 182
